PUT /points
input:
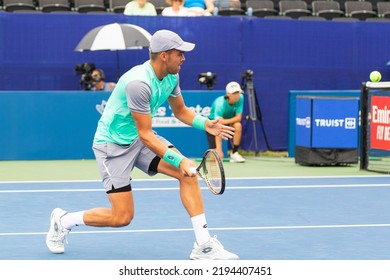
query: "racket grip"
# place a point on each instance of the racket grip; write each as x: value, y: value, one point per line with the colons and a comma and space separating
x: 193, y: 170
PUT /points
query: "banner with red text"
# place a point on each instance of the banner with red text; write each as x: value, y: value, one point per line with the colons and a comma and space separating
x: 380, y: 123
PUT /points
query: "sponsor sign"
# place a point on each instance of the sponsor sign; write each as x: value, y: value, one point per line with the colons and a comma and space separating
x: 380, y: 122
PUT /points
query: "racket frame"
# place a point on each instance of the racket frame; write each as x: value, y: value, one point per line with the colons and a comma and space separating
x: 221, y: 168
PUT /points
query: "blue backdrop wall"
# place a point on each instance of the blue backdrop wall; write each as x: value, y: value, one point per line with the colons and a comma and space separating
x: 37, y: 53
x: 47, y: 125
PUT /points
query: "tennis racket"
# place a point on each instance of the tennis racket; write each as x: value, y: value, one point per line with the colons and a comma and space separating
x: 211, y: 171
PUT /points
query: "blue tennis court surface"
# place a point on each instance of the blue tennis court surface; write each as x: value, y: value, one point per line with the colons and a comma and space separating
x: 316, y: 218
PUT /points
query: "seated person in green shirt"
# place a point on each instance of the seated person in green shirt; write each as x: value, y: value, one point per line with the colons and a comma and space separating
x: 228, y: 109
x: 140, y: 8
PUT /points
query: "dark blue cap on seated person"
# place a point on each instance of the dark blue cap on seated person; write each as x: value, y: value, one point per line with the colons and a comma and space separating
x: 164, y: 40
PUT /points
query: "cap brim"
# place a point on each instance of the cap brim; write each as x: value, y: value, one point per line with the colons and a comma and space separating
x: 235, y: 90
x: 186, y: 47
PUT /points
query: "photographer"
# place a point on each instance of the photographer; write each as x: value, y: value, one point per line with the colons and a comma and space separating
x: 98, y: 82
x: 228, y: 109
x: 92, y: 78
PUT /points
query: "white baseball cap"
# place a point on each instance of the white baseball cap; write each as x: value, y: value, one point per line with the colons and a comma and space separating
x: 233, y: 87
x: 164, y: 40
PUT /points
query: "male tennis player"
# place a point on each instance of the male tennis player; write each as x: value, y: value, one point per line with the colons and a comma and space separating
x: 228, y: 109
x: 124, y: 139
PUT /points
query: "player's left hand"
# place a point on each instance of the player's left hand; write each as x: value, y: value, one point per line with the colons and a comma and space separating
x: 215, y: 128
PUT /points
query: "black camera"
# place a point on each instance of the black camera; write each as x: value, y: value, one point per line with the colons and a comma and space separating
x: 85, y: 70
x: 247, y: 74
x: 208, y: 79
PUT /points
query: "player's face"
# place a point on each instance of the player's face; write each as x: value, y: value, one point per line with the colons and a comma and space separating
x: 174, y: 60
x: 234, y: 97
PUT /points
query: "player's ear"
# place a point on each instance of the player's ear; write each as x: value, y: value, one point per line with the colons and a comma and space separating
x: 163, y: 56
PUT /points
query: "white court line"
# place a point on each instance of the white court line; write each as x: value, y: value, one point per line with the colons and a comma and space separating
x: 212, y: 229
x: 205, y: 188
x: 232, y: 178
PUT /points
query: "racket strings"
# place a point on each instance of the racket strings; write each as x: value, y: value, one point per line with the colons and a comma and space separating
x: 213, y: 172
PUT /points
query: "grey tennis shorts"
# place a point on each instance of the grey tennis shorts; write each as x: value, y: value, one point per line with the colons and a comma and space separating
x: 116, y: 162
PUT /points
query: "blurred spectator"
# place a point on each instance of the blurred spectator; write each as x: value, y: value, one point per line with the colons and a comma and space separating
x: 140, y: 8
x: 98, y: 81
x: 176, y: 9
x: 200, y: 7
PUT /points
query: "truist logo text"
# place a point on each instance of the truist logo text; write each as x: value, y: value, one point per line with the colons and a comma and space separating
x: 347, y: 123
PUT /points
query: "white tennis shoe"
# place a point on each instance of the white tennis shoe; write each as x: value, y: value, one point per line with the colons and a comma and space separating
x: 236, y: 157
x: 211, y: 250
x: 56, y: 237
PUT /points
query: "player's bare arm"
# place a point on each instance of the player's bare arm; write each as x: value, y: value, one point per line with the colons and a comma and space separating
x: 147, y: 136
x: 180, y: 110
x: 186, y: 115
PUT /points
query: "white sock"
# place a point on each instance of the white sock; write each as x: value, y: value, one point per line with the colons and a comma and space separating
x: 199, y: 224
x: 70, y: 220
